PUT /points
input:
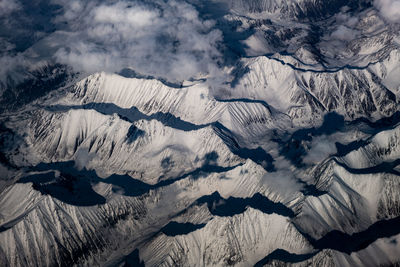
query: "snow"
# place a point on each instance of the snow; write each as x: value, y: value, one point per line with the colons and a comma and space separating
x: 96, y: 170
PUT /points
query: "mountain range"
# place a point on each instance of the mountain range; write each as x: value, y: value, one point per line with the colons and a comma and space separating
x: 284, y: 151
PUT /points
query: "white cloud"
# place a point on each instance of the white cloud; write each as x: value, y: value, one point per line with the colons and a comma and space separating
x: 166, y: 39
x: 390, y: 9
x: 82, y: 158
x: 11, y: 62
x: 321, y: 147
x: 344, y: 33
x: 120, y: 14
x: 282, y: 181
x: 346, y: 19
x: 8, y: 6
x: 345, y: 26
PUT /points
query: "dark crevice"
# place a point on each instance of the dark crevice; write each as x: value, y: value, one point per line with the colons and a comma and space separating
x: 325, y: 70
x: 346, y: 243
x: 176, y: 228
x: 284, y: 256
x: 130, y: 73
x: 384, y: 167
x: 295, y: 148
x: 75, y: 186
x: 311, y: 189
x: 343, y: 150
x: 133, y: 260
x: 132, y: 114
x: 231, y: 206
x: 258, y: 155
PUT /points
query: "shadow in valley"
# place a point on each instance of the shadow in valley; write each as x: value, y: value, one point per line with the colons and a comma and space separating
x: 175, y: 228
x: 133, y: 134
x: 133, y: 260
x: 284, y: 256
x: 384, y: 167
x: 219, y: 206
x: 351, y: 243
x: 8, y: 138
x: 310, y: 189
x: 338, y: 241
x: 258, y: 155
x: 75, y: 187
x: 66, y: 188
x: 132, y: 114
x: 130, y: 73
x: 295, y: 149
x: 381, y: 124
x: 246, y: 100
x: 232, y: 32
x: 343, y: 150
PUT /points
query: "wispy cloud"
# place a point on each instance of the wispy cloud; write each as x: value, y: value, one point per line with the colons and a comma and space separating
x: 390, y: 9
x: 166, y: 39
x: 8, y: 6
x: 344, y: 33
x: 321, y: 147
x: 160, y: 38
x: 282, y: 181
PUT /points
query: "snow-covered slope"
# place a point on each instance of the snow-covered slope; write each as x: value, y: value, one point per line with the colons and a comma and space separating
x: 238, y: 240
x: 150, y: 150
x: 293, y: 159
x: 298, y: 9
x: 304, y: 94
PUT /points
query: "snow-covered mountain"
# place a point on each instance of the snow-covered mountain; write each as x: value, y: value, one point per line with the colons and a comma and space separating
x: 289, y: 156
